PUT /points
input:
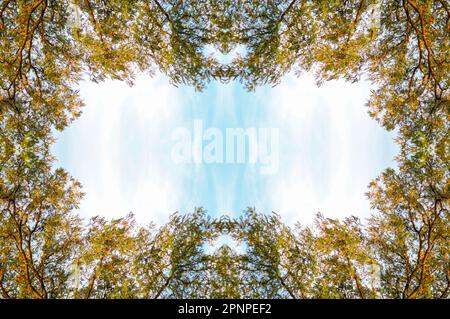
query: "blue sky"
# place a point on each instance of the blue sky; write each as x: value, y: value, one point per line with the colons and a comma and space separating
x: 120, y: 149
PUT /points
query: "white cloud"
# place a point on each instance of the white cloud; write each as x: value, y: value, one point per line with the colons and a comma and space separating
x: 118, y: 148
x: 330, y: 149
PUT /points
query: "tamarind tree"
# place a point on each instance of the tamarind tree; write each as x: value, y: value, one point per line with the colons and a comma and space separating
x: 401, y: 46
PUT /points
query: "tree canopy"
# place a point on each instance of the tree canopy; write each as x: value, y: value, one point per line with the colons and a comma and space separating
x: 48, y: 46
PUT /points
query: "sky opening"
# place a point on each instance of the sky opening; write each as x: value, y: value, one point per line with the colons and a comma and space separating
x: 120, y: 149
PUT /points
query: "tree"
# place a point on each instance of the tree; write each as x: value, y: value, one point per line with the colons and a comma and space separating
x: 392, y: 256
x: 47, y: 251
x: 38, y: 236
x: 410, y: 234
x: 329, y: 260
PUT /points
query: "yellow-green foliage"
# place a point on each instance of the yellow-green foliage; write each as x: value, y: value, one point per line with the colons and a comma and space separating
x: 46, y: 46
